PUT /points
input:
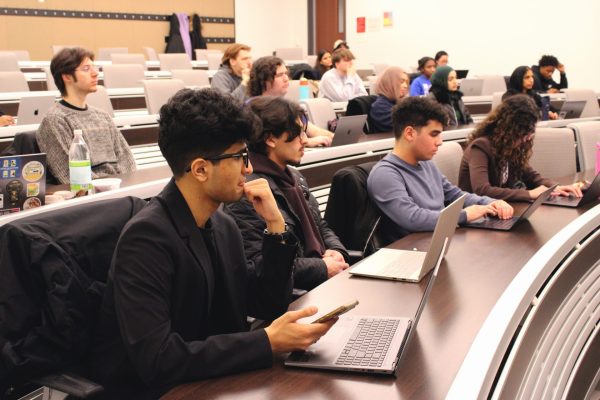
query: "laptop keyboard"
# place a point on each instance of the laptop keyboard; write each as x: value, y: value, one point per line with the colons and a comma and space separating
x: 369, y: 343
x: 495, y: 222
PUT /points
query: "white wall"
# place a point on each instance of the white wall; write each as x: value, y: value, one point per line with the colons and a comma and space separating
x: 266, y: 25
x: 486, y: 37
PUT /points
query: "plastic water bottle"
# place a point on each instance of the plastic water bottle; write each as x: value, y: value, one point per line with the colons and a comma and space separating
x: 80, y: 166
x: 304, y: 89
x: 597, y: 158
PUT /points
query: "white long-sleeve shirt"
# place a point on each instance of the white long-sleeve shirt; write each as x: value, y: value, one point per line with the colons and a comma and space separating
x: 337, y: 87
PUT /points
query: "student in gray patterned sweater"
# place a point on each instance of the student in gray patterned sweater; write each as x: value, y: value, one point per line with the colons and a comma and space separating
x: 76, y: 77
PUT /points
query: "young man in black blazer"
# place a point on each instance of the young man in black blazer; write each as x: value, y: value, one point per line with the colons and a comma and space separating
x: 179, y: 290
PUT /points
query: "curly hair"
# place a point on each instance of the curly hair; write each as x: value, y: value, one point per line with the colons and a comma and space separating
x: 202, y: 123
x: 416, y: 112
x: 505, y: 127
x: 263, y: 71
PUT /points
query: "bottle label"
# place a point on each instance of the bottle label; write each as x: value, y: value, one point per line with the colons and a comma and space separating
x: 80, y: 174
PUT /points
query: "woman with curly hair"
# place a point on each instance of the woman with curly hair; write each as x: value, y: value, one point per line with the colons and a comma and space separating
x: 521, y: 82
x: 496, y: 160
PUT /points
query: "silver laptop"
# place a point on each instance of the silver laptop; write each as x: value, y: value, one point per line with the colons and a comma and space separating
x: 590, y: 194
x: 507, y: 224
x: 349, y: 129
x: 411, y: 265
x: 370, y: 344
x: 471, y: 87
x: 571, y: 109
x: 32, y: 109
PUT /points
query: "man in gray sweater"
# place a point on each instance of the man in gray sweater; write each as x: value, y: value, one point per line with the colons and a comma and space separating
x: 406, y: 185
x: 76, y: 77
x: 234, y: 73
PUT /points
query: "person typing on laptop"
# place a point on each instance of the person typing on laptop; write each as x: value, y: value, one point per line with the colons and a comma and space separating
x: 280, y: 145
x: 496, y: 160
x: 406, y: 185
x: 269, y: 77
x: 179, y: 291
x: 76, y: 76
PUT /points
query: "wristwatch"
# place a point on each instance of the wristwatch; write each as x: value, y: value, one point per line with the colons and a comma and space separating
x: 279, y: 237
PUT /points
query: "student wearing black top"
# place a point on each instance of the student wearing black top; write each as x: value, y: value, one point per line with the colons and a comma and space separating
x: 542, y: 75
x: 444, y: 89
x: 179, y: 290
x: 323, y: 64
x: 521, y: 82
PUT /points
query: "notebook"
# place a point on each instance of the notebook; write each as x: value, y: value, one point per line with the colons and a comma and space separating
x: 349, y: 129
x: 590, y: 194
x: 507, y: 224
x: 368, y: 344
x: 571, y: 109
x: 32, y: 109
x: 22, y: 182
x: 411, y: 265
x: 471, y: 87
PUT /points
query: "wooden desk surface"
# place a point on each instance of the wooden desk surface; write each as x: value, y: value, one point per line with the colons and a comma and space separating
x: 478, y: 267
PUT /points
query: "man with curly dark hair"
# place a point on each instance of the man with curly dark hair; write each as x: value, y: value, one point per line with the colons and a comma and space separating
x: 179, y: 291
x: 496, y: 161
x: 407, y: 186
x: 542, y: 75
x: 269, y: 77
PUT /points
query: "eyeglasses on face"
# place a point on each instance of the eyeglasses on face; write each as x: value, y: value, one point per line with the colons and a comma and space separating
x: 87, y: 68
x: 243, y: 154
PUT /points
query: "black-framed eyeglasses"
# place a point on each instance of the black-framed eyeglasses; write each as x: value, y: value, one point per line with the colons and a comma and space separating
x: 243, y: 154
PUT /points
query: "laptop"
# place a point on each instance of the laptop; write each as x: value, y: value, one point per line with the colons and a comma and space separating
x: 590, y: 194
x: 22, y: 182
x: 412, y: 265
x: 461, y: 73
x: 571, y: 109
x: 32, y: 109
x: 507, y: 224
x: 349, y: 129
x: 471, y: 87
x: 368, y: 344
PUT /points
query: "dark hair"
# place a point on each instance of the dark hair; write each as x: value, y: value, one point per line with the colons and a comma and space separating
x: 439, y: 55
x: 423, y: 61
x: 201, y: 123
x: 509, y: 122
x: 232, y: 52
x: 416, y: 112
x: 548, y: 60
x: 341, y: 54
x: 318, y: 66
x: 263, y: 71
x: 66, y: 61
x: 278, y: 115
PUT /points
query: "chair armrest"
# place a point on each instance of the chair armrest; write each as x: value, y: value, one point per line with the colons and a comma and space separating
x: 71, y: 384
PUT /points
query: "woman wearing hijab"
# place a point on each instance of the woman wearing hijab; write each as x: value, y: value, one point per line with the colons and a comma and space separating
x: 521, y: 82
x: 392, y: 86
x: 444, y: 89
x: 496, y: 160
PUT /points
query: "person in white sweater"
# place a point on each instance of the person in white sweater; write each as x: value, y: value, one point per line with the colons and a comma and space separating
x: 76, y: 77
x: 341, y: 83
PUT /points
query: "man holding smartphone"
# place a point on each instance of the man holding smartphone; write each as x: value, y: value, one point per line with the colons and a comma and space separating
x: 178, y: 292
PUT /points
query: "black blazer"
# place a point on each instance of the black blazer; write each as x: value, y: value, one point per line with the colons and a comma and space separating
x: 162, y: 321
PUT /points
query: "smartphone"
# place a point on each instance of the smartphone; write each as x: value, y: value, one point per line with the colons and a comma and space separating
x: 336, y: 313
